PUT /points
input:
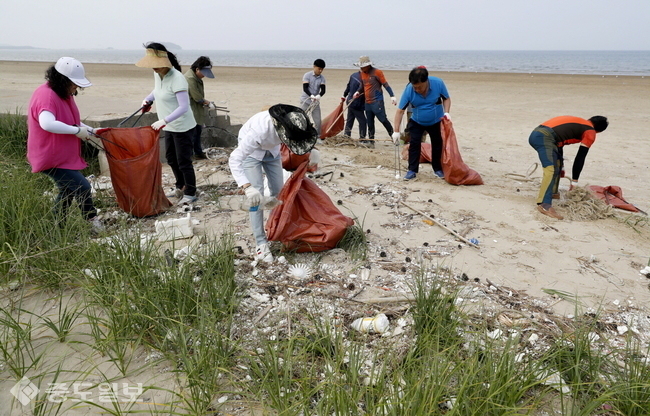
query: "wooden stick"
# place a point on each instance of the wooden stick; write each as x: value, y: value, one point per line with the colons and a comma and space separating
x: 262, y: 314
x: 405, y: 297
x: 460, y: 237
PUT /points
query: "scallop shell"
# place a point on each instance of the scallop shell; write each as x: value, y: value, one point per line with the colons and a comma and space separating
x: 300, y: 270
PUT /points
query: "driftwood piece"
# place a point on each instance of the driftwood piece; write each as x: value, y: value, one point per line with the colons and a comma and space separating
x: 460, y: 237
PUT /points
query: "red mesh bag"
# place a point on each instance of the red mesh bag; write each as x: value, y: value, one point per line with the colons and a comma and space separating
x: 136, y: 173
x: 334, y: 123
x: 307, y: 220
x: 612, y: 195
x: 292, y: 161
x: 455, y: 169
x: 425, y: 152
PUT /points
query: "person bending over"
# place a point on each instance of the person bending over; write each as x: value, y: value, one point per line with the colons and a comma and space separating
x: 549, y: 139
x: 258, y: 153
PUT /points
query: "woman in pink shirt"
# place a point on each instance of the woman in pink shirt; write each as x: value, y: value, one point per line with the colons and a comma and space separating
x: 54, y: 136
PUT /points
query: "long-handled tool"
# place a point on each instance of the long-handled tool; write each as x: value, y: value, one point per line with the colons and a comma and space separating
x: 218, y: 108
x: 144, y: 109
x: 111, y: 142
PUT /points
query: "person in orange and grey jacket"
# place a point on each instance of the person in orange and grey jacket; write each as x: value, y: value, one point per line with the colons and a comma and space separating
x: 373, y: 80
x: 549, y: 139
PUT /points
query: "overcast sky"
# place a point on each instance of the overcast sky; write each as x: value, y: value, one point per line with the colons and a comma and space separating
x: 329, y: 25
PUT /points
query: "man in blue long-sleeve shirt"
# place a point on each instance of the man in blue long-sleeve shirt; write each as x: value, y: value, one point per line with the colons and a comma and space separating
x: 356, y: 106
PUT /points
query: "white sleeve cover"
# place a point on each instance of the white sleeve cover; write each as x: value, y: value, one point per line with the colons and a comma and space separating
x: 48, y: 122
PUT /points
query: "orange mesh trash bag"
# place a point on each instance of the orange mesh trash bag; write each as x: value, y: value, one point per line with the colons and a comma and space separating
x: 456, y: 171
x: 612, y: 195
x: 307, y: 220
x: 136, y: 173
x: 333, y: 124
x: 425, y: 152
x: 292, y: 161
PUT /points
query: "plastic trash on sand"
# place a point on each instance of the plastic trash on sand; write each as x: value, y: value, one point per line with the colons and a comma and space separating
x: 174, y: 229
x: 374, y: 325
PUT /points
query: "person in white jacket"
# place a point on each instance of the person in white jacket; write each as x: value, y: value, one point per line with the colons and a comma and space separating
x: 258, y: 153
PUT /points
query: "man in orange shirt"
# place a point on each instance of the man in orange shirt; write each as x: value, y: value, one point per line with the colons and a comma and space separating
x: 372, y: 79
x: 549, y: 138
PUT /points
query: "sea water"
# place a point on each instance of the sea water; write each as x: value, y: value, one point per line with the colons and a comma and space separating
x: 544, y: 62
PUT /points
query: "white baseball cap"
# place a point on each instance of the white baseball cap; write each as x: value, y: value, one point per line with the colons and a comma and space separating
x: 72, y: 69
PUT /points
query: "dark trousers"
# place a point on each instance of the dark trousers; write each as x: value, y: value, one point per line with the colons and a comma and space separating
x: 178, y: 150
x: 416, y: 130
x: 196, y: 139
x: 72, y: 185
x: 360, y: 116
x: 373, y: 110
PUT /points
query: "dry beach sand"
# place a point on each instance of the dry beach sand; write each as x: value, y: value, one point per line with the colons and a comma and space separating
x: 493, y: 114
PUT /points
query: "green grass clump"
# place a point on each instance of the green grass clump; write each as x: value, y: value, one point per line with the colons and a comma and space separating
x: 354, y: 242
x: 13, y: 135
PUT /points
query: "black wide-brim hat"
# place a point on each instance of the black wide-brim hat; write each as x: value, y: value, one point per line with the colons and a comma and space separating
x: 294, y: 128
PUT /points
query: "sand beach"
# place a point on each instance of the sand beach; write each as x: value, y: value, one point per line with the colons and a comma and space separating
x: 493, y: 114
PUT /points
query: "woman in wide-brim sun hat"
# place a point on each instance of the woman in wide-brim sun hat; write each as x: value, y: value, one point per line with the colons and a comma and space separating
x: 54, y: 136
x: 177, y: 122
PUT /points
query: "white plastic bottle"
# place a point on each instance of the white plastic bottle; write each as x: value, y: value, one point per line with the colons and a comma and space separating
x: 374, y: 325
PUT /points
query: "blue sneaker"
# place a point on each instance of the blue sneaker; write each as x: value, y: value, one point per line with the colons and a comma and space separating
x: 439, y: 174
x: 410, y: 175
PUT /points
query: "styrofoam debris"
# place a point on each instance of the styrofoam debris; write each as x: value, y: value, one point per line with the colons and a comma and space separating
x: 174, y: 229
x: 259, y: 297
x: 553, y: 379
x: 497, y: 333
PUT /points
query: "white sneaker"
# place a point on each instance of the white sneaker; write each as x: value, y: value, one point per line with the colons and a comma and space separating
x: 177, y: 193
x: 263, y: 253
x: 187, y: 199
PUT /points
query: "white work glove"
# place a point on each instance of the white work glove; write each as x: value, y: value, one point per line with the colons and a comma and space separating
x: 446, y: 116
x: 253, y: 196
x: 83, y: 133
x: 393, y: 100
x: 396, y: 137
x: 159, y: 124
x: 574, y: 185
x: 356, y: 95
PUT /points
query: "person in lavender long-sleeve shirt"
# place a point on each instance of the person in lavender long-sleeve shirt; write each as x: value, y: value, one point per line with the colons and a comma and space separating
x: 172, y: 100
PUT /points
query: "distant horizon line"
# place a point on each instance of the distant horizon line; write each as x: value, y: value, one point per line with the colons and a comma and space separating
x: 344, y: 50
